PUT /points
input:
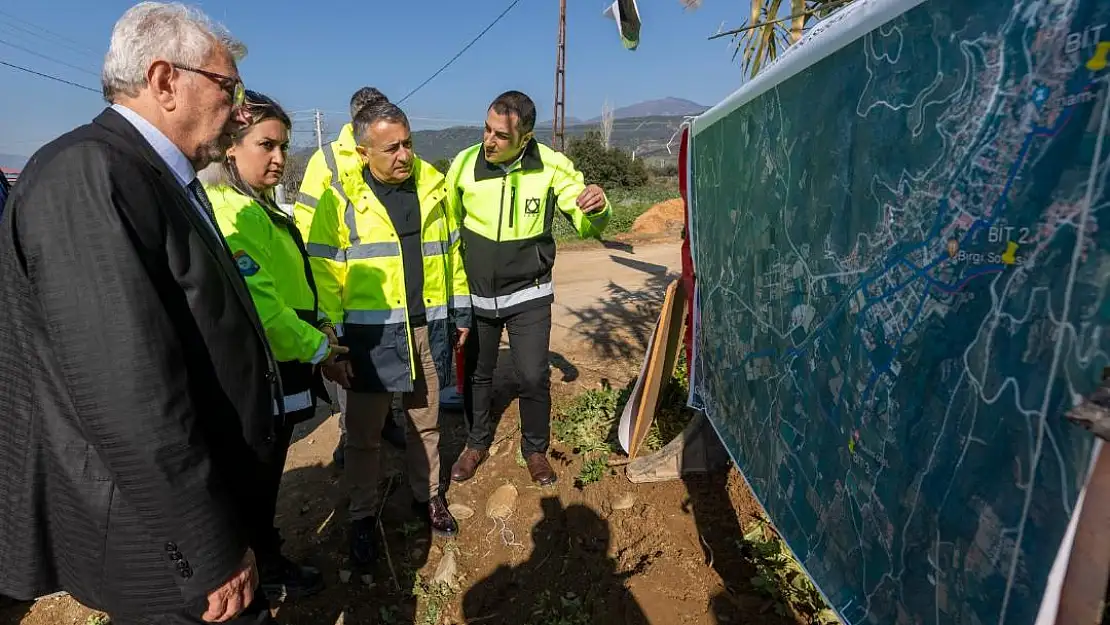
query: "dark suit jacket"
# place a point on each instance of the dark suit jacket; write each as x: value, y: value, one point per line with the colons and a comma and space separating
x: 135, y: 383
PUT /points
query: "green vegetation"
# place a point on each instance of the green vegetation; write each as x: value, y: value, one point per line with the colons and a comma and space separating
x: 587, y: 424
x: 433, y: 598
x: 612, y: 168
x: 628, y: 204
x: 780, y: 578
x: 566, y: 610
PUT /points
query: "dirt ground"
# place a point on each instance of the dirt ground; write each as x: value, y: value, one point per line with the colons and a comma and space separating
x: 566, y: 555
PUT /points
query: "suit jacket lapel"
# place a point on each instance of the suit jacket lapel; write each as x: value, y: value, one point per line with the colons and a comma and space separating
x: 134, y: 141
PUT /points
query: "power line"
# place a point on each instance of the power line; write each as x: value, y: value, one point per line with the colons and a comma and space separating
x: 48, y: 76
x: 48, y: 58
x: 65, y: 44
x: 460, y: 53
x: 47, y: 31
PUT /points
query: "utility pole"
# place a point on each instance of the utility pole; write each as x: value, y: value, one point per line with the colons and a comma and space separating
x: 558, y: 132
x: 319, y: 117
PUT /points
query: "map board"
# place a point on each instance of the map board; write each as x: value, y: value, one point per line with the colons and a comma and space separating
x: 901, y: 243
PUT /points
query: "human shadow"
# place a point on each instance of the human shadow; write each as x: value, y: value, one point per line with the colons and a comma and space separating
x: 593, y: 590
x: 313, y: 520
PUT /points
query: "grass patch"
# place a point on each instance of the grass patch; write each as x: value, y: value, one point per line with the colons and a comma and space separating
x: 433, y: 597
x: 588, y: 422
x: 587, y: 425
x: 781, y: 579
x: 673, y: 414
x: 628, y: 204
x: 566, y: 610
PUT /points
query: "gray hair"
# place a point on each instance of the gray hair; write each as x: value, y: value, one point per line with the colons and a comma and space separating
x: 373, y: 113
x: 169, y: 31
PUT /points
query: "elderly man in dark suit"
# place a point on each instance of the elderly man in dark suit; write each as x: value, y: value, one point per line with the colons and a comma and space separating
x: 137, y: 391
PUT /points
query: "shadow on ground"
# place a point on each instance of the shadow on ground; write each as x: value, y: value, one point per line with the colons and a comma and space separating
x: 620, y: 326
x: 568, y: 571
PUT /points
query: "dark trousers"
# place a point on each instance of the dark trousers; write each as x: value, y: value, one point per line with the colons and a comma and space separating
x: 529, y: 341
x: 267, y: 547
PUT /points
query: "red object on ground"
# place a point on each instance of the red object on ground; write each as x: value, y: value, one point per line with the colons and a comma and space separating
x: 687, y: 258
x: 460, y: 368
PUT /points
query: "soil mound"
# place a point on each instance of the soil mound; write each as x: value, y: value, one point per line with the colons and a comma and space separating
x: 663, y: 218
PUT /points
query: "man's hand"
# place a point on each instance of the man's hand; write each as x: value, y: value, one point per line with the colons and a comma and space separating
x: 591, y: 199
x: 227, y: 601
x: 334, y: 348
x: 461, y: 337
x: 339, y: 372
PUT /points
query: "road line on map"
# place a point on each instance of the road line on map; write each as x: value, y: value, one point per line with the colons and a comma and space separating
x: 1077, y: 253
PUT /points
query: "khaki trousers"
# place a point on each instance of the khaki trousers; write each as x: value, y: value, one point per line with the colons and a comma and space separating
x: 366, y: 414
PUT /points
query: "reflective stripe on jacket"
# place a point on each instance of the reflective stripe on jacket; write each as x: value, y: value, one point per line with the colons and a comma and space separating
x: 268, y: 250
x: 506, y: 217
x: 355, y: 255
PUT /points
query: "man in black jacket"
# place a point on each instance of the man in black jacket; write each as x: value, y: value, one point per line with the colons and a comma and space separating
x: 137, y: 383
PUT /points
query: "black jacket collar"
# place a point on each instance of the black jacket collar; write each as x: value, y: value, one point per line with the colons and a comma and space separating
x: 530, y: 160
x: 116, y: 124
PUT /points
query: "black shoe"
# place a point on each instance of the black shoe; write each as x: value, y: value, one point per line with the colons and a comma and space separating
x: 364, y: 544
x: 437, y: 515
x: 338, y: 456
x: 284, y: 579
x: 393, y: 434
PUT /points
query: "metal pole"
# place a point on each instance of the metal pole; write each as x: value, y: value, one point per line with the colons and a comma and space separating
x: 319, y: 130
x: 558, y: 131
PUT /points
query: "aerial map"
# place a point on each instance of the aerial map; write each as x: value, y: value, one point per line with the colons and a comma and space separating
x: 901, y: 239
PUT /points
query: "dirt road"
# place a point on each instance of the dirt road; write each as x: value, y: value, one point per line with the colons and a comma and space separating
x: 609, y: 552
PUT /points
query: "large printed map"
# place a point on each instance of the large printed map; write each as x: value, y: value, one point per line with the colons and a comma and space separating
x: 903, y: 251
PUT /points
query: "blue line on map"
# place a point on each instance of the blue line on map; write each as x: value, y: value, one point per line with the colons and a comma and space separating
x: 923, y: 272
x: 955, y: 288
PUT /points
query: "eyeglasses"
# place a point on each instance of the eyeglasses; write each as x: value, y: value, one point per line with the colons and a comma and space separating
x: 232, y: 86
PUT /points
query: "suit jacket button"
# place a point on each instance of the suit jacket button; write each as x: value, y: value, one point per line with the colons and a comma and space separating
x: 182, y: 565
x: 175, y: 555
x: 270, y: 376
x: 186, y: 572
x: 171, y: 547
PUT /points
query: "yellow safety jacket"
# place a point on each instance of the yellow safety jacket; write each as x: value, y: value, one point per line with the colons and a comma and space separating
x: 506, y: 215
x: 268, y: 250
x: 355, y: 255
x: 318, y: 174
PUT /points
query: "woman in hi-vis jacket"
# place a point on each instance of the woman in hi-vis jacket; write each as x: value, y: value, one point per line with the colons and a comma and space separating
x: 271, y: 257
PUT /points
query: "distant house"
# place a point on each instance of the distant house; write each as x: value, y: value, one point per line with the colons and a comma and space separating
x: 10, y: 174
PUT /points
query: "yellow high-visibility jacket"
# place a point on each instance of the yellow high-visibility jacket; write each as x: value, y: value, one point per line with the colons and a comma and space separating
x: 268, y: 250
x: 355, y: 255
x: 505, y: 217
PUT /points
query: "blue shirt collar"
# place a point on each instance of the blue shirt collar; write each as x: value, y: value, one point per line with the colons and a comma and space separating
x: 173, y: 156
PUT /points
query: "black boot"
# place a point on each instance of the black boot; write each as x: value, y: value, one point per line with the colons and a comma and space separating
x: 364, y: 544
x: 281, y: 578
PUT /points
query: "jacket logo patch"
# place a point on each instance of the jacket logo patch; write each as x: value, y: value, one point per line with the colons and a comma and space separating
x: 532, y: 206
x: 247, y: 266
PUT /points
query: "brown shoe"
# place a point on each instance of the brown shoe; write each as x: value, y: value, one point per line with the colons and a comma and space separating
x: 540, y: 469
x: 467, y: 464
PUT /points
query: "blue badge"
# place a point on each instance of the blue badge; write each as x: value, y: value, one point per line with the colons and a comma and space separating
x: 246, y: 264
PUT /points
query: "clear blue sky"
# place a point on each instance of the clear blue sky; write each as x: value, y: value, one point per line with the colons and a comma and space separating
x: 315, y: 53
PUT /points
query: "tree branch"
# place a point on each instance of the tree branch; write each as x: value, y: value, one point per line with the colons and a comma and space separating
x: 809, y: 13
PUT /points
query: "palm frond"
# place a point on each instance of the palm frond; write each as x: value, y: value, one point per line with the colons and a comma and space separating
x: 766, y: 35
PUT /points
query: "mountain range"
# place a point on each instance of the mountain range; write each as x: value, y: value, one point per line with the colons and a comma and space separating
x: 644, y: 129
x: 12, y: 161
